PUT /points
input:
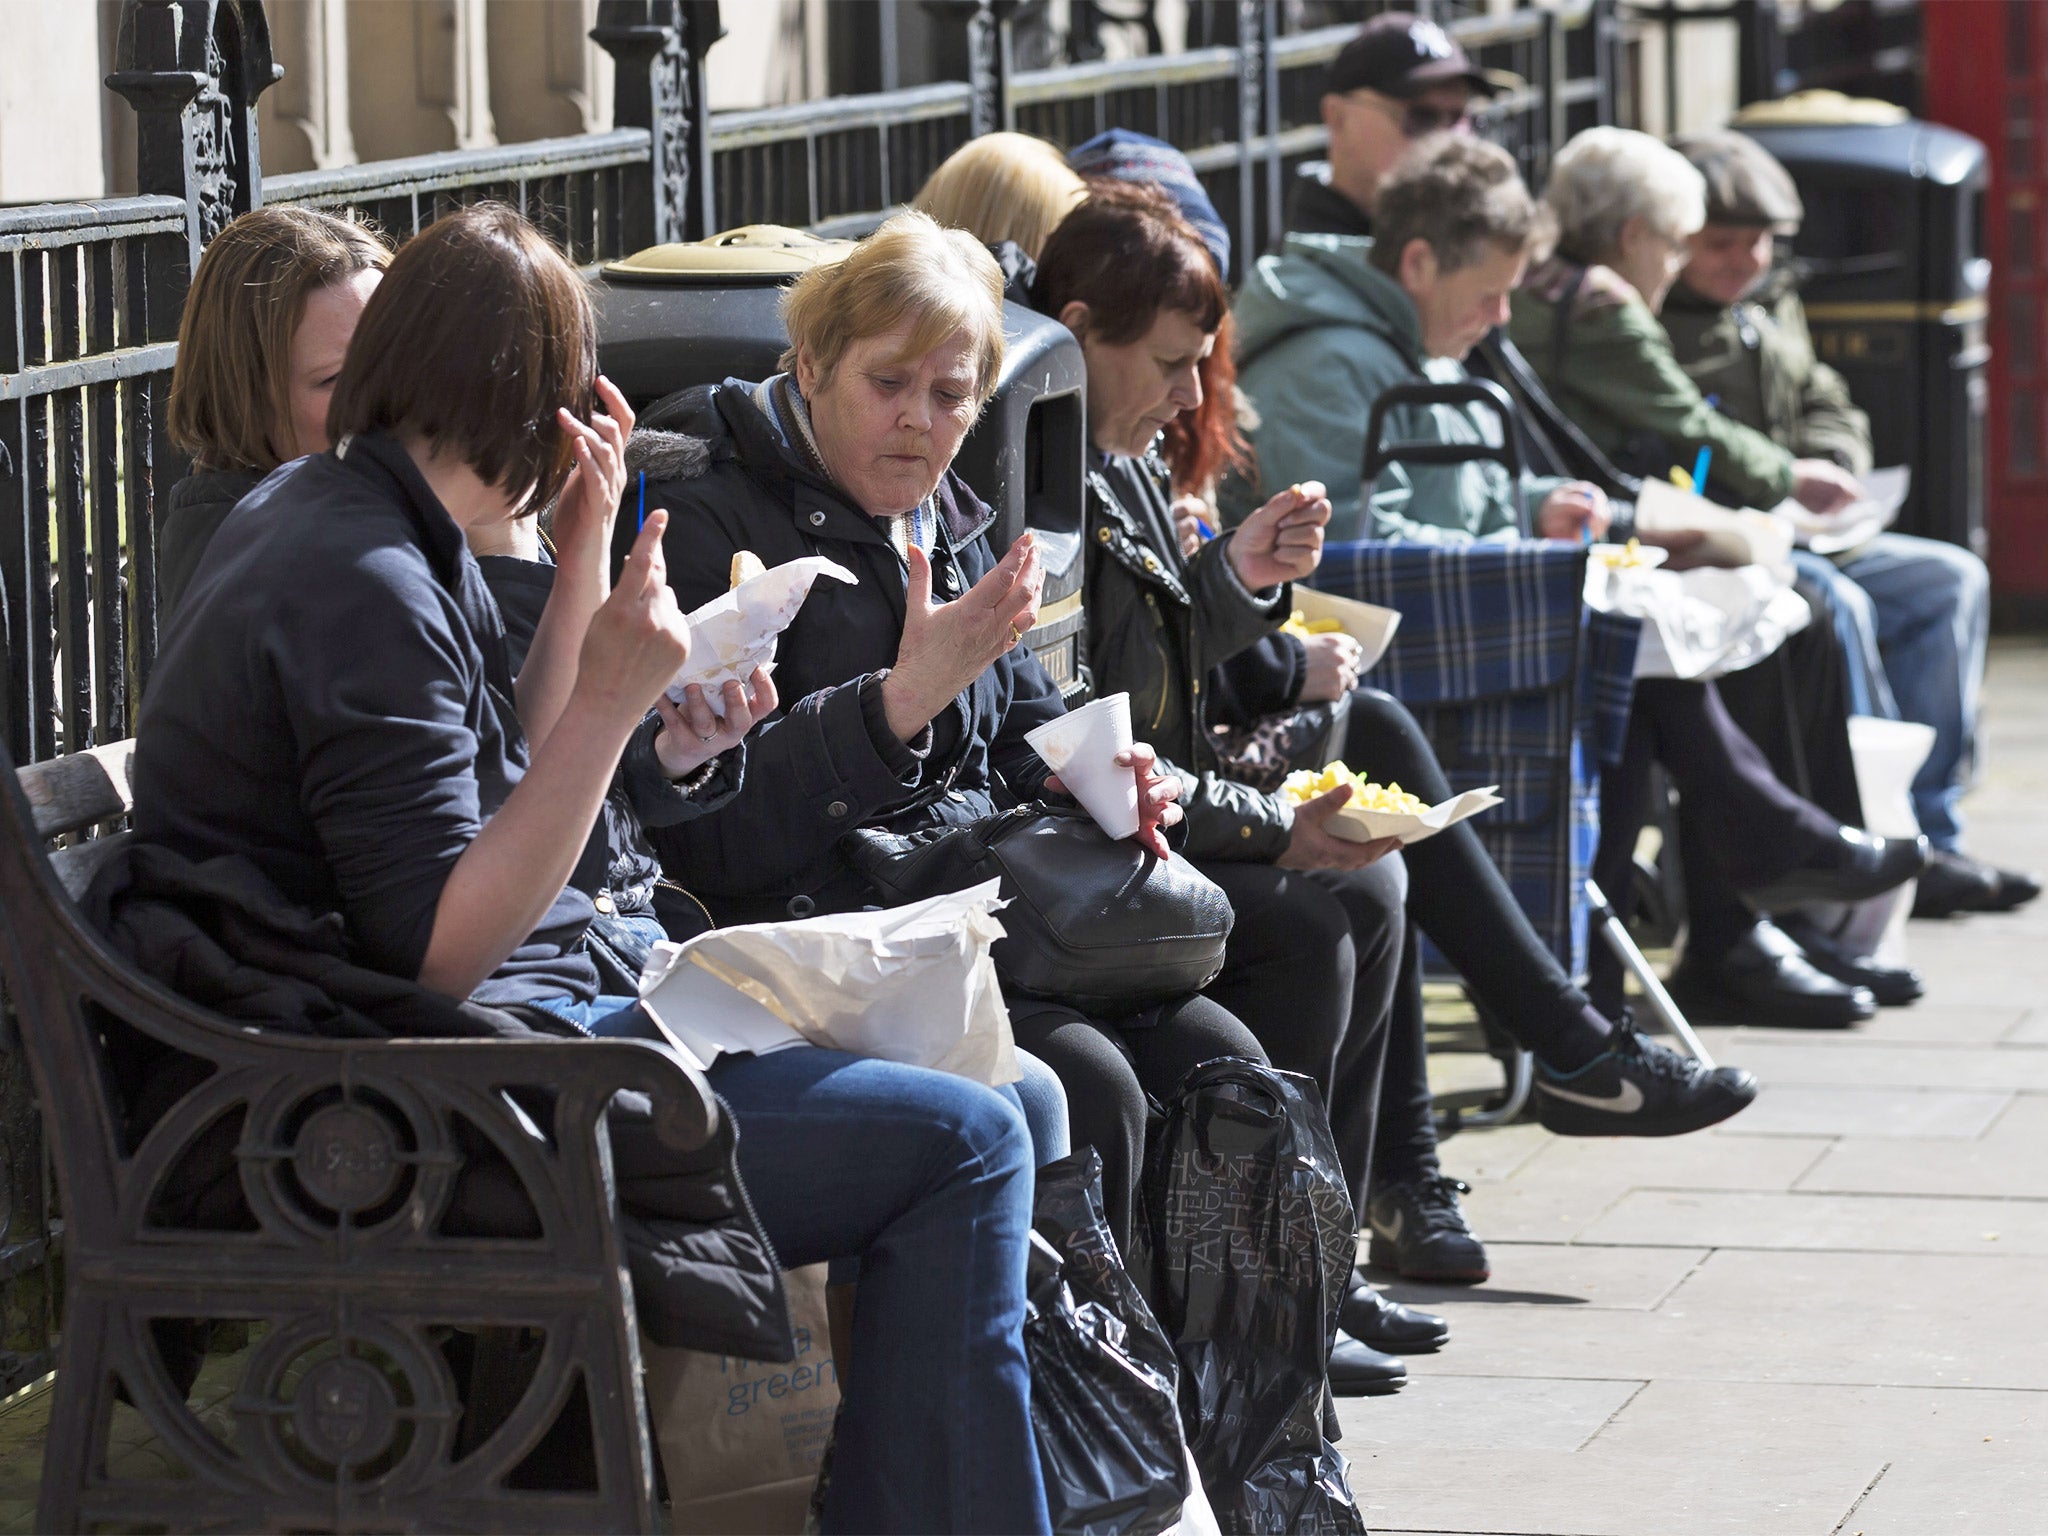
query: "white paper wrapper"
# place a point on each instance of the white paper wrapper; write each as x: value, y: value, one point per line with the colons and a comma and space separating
x: 1835, y: 533
x: 1705, y: 622
x: 1355, y: 824
x: 735, y: 633
x: 913, y: 984
x: 1369, y: 624
x: 1081, y: 747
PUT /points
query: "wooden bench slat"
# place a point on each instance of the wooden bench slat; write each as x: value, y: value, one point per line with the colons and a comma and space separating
x: 78, y: 791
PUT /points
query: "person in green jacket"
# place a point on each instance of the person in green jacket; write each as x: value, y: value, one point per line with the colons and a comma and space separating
x: 1330, y: 324
x: 1916, y: 610
x: 1627, y: 208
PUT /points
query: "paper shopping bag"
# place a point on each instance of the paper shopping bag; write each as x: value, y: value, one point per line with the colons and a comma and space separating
x: 741, y: 1440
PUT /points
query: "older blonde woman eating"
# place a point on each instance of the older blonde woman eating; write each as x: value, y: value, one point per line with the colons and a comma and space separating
x: 909, y: 695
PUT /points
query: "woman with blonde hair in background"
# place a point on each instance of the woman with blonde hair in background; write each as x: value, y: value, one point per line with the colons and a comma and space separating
x: 268, y: 319
x: 1010, y: 192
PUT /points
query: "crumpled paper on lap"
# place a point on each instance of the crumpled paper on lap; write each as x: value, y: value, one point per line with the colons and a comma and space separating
x: 1701, y: 623
x: 913, y: 984
x: 736, y: 631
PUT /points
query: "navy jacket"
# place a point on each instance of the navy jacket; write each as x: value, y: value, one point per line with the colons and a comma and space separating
x: 827, y: 762
x: 333, y: 701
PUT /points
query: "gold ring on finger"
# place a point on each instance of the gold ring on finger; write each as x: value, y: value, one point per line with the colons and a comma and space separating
x: 1016, y: 634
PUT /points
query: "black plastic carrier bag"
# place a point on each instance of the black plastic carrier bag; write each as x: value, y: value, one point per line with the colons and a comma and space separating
x: 1244, y: 1250
x: 1103, y: 1405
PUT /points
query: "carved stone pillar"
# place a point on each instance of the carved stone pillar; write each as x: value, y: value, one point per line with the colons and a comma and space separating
x: 659, y: 47
x: 421, y: 77
x: 305, y: 120
x: 548, y: 79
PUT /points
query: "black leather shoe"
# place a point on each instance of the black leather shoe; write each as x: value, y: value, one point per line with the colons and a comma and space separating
x: 1767, y: 979
x: 1372, y: 1319
x: 1851, y: 866
x: 1955, y: 882
x: 1419, y: 1232
x: 1359, y: 1370
x: 1893, y: 986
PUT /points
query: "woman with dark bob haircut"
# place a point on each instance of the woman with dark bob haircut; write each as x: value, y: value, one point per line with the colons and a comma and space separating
x: 334, y: 706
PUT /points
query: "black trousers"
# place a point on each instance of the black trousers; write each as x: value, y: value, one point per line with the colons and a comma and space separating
x: 1739, y: 825
x: 1795, y: 706
x: 1313, y: 969
x: 1109, y: 1066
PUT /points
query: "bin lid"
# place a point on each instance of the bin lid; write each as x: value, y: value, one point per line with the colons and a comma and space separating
x: 1817, y: 109
x: 763, y: 253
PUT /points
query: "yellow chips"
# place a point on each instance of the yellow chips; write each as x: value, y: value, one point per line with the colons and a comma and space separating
x: 1627, y: 558
x: 1301, y: 626
x: 1302, y: 786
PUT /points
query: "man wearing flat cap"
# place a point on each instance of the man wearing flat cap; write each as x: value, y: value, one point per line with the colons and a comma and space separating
x: 1915, y: 611
x: 1400, y: 79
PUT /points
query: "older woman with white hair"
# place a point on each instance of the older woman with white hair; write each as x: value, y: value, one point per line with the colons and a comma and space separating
x: 1627, y: 207
x: 910, y: 693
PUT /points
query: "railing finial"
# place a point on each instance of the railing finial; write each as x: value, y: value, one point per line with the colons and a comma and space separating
x: 659, y: 48
x: 192, y: 69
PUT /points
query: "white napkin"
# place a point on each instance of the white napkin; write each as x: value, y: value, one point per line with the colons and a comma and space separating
x: 736, y: 632
x: 1836, y: 533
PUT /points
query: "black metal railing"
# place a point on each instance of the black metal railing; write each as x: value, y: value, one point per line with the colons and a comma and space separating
x: 90, y: 295
x: 579, y: 191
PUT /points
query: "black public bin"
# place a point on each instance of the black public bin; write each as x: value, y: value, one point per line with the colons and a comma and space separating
x: 678, y: 315
x: 1895, y: 288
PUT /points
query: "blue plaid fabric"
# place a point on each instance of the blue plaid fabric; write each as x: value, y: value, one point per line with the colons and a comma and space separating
x: 1517, y: 684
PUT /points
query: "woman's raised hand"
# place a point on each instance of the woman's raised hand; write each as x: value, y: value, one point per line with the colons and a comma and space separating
x: 692, y: 733
x: 1283, y: 540
x: 638, y: 639
x: 589, y: 501
x: 946, y: 646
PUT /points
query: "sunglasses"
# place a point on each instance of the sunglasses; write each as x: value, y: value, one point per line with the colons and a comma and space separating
x: 1418, y: 120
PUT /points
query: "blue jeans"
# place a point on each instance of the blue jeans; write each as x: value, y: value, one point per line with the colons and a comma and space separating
x: 926, y: 1178
x: 1914, y: 617
x: 1038, y: 1093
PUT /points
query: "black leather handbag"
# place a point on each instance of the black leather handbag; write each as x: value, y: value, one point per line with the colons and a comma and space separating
x: 1094, y: 921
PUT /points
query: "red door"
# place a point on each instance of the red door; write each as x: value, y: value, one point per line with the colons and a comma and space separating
x: 1987, y: 74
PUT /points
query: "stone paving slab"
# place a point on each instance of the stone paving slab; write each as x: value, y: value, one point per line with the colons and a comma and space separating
x: 1458, y: 1413
x: 2032, y: 1029
x: 1561, y: 1275
x: 1984, y: 1495
x: 2010, y: 1161
x: 1870, y: 1223
x: 1854, y: 1319
x: 1780, y: 1063
x: 1687, y: 1162
x: 1774, y: 1492
x: 1808, y: 1110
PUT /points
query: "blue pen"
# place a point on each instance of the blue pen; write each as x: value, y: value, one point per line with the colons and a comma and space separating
x: 1699, y: 469
x: 1202, y: 527
x: 643, y: 503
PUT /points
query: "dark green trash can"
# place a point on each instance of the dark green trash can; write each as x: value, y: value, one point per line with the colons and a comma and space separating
x: 1896, y: 288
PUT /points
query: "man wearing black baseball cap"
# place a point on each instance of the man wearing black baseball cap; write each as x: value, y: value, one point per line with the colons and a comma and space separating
x: 1398, y: 80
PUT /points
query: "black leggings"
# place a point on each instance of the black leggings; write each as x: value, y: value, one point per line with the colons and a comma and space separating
x: 1457, y: 896
x: 1313, y: 966
x: 1109, y: 1067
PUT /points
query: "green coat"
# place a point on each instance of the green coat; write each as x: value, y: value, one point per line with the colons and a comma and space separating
x: 1322, y: 333
x: 1757, y: 357
x: 1615, y: 376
